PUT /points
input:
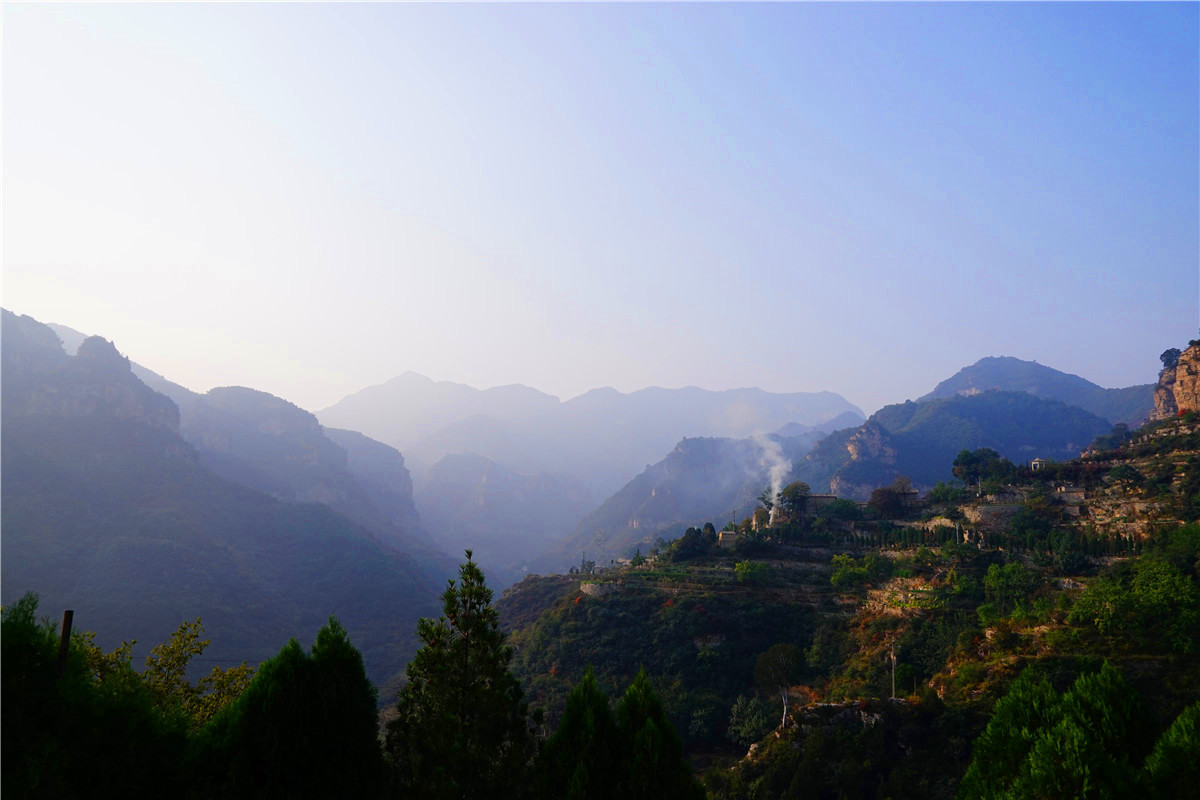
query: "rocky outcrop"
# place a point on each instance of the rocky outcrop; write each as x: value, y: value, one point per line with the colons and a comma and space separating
x: 870, y: 442
x: 599, y: 589
x: 871, y: 465
x: 992, y: 517
x: 1178, y: 389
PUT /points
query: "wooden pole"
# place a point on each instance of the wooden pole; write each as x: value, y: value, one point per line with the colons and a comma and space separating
x: 892, y: 650
x: 64, y: 644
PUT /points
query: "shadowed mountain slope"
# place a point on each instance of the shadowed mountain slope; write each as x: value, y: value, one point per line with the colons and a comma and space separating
x: 1130, y: 405
x: 266, y: 443
x: 700, y: 480
x: 922, y: 439
x: 108, y: 511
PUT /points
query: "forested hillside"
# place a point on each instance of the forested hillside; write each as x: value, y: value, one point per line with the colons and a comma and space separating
x: 920, y: 440
x: 951, y: 646
x: 1036, y: 580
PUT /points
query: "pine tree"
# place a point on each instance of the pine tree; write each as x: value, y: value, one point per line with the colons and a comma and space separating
x: 581, y: 760
x: 462, y: 728
x: 1040, y: 744
x: 306, y: 726
x: 1173, y: 767
x: 653, y: 766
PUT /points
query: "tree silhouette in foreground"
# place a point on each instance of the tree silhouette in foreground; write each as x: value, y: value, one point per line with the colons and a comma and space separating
x: 653, y: 766
x: 462, y: 730
x: 1087, y: 743
x: 581, y: 760
x: 596, y: 754
x: 306, y: 726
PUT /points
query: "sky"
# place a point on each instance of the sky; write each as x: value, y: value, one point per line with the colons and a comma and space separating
x: 309, y: 199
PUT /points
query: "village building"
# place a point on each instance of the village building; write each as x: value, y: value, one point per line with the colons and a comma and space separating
x: 728, y: 538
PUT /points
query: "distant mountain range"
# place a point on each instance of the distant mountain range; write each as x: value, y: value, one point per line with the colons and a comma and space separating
x: 601, y: 437
x: 1019, y: 408
x: 1131, y: 405
x: 512, y: 472
x: 552, y: 458
x: 109, y: 511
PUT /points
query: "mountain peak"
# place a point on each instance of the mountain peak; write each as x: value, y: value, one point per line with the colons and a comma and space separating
x: 98, y: 352
x: 1009, y: 374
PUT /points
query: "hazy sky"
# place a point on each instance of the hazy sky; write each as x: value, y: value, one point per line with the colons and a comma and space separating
x: 309, y: 199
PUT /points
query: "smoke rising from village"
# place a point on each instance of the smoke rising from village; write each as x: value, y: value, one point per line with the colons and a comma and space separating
x: 774, y: 462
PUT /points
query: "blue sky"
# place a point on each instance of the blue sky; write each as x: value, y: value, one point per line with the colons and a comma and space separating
x: 863, y: 198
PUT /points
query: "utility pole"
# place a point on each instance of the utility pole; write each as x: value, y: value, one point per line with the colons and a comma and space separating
x: 64, y: 644
x: 892, y: 651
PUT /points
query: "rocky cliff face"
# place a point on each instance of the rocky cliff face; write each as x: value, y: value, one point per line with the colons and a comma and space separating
x: 870, y: 442
x: 42, y: 380
x: 869, y: 445
x: 1178, y: 389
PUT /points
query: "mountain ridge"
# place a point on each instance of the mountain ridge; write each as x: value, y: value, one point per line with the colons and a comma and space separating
x: 601, y: 436
x: 270, y: 444
x: 1130, y: 404
x: 109, y: 511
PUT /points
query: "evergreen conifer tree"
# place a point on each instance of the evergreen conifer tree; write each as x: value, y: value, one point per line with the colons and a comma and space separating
x: 653, y: 766
x: 1039, y: 744
x: 462, y: 729
x: 1173, y: 767
x: 581, y: 760
x: 306, y: 726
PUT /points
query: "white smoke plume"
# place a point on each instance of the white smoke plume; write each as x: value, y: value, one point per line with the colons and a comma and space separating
x: 777, y: 467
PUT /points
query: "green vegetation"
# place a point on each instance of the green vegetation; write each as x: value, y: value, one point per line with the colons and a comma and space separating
x: 961, y: 619
x: 165, y: 675
x: 67, y: 734
x: 749, y: 720
x: 1088, y: 742
x: 652, y: 765
x: 1151, y: 604
x: 581, y: 759
x: 750, y: 571
x: 776, y: 670
x: 849, y: 572
x: 304, y: 726
x: 462, y: 728
x: 834, y: 654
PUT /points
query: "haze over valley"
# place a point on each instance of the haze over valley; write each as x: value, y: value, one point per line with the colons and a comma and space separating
x: 530, y: 482
x: 600, y: 401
